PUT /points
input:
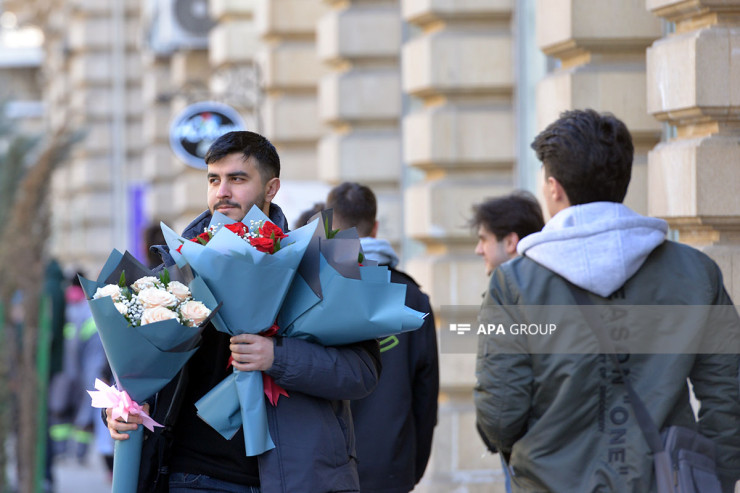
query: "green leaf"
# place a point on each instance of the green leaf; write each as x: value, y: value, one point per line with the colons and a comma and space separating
x: 165, y: 277
x: 122, y: 279
x: 360, y: 258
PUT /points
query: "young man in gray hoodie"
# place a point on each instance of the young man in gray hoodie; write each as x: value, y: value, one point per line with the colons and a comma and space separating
x: 547, y: 400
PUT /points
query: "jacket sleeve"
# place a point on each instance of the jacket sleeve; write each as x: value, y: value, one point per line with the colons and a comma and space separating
x: 503, y: 389
x: 716, y: 382
x: 425, y: 390
x: 334, y: 373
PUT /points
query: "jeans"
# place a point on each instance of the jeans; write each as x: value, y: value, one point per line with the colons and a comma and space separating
x: 181, y: 482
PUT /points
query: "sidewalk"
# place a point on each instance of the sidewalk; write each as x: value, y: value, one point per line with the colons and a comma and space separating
x: 72, y: 477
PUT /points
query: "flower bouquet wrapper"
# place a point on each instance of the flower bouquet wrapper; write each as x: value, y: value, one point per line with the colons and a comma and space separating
x: 351, y: 310
x: 334, y: 300
x: 143, y: 359
x: 252, y: 286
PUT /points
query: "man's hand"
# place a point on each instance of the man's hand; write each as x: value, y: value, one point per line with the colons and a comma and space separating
x: 118, y: 427
x: 252, y: 352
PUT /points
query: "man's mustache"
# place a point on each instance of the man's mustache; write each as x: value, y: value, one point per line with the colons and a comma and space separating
x: 225, y: 202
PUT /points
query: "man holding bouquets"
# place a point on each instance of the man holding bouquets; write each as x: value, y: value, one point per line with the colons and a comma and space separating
x: 311, y: 429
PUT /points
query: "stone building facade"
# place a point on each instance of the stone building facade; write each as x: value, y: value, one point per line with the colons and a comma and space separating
x: 431, y: 102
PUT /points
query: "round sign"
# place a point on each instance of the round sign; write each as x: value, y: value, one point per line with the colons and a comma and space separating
x: 193, y: 131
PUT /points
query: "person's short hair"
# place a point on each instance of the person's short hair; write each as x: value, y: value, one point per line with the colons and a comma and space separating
x: 589, y: 154
x: 249, y: 144
x: 309, y: 213
x: 518, y: 212
x: 353, y: 205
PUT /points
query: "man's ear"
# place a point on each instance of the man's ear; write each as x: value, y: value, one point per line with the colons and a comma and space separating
x: 556, y: 193
x: 510, y: 242
x: 271, y: 189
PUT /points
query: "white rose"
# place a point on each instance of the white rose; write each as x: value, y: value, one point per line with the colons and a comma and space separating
x: 178, y: 289
x: 144, y: 282
x: 111, y: 290
x: 151, y: 297
x: 122, y: 309
x: 193, y: 313
x: 157, y: 314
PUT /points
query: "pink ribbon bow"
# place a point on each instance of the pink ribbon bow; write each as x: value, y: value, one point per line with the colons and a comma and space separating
x: 121, y: 403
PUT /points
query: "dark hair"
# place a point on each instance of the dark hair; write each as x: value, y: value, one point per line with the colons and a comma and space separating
x: 249, y: 144
x: 309, y: 213
x: 354, y: 205
x: 589, y: 154
x: 518, y: 212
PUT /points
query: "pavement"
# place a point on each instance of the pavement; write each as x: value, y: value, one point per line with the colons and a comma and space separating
x: 73, y: 476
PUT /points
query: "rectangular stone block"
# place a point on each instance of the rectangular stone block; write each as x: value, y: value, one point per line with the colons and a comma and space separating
x: 288, y: 17
x: 359, y: 31
x: 450, y: 279
x: 156, y: 124
x: 219, y: 9
x: 594, y: 25
x: 363, y: 156
x: 91, y: 174
x: 693, y: 73
x: 233, y: 42
x: 419, y: 11
x: 448, y: 62
x: 189, y: 197
x: 292, y: 118
x: 438, y: 210
x: 298, y: 162
x: 618, y: 90
x: 188, y: 67
x: 160, y: 164
x: 694, y: 177
x: 97, y: 68
x: 290, y: 65
x: 367, y: 94
x: 97, y: 32
x: 460, y: 136
x: 97, y: 102
x: 155, y: 82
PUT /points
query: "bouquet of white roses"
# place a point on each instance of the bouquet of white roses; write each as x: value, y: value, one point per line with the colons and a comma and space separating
x: 153, y: 299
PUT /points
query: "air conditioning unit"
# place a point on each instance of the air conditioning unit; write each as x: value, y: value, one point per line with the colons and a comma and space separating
x: 179, y: 24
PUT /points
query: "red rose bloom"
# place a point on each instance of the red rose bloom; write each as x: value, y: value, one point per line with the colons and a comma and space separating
x: 237, y: 228
x: 202, y: 238
x: 266, y: 245
x: 268, y: 229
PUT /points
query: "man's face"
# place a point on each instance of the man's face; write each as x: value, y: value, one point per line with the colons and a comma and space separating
x: 234, y: 185
x: 492, y: 250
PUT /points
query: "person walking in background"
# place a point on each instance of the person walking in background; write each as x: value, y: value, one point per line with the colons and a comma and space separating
x: 503, y: 221
x: 500, y: 223
x: 395, y: 424
x: 565, y: 421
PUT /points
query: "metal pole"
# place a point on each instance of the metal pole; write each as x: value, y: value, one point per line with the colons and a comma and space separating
x: 118, y: 125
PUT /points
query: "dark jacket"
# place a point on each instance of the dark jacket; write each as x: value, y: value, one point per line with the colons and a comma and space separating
x: 312, y: 429
x: 395, y: 424
x: 561, y: 416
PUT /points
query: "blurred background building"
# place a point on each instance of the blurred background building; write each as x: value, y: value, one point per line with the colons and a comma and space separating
x: 433, y: 103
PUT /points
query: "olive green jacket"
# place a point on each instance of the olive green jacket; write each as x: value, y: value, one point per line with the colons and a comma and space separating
x: 562, y: 419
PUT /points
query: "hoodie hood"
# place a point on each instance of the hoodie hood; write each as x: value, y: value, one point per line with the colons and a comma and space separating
x: 597, y: 246
x: 379, y: 250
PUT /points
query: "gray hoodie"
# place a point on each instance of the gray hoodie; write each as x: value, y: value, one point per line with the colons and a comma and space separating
x: 596, y: 246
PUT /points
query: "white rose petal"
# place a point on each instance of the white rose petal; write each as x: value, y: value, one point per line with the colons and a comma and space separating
x: 122, y: 309
x: 111, y: 290
x: 151, y: 297
x: 178, y: 289
x: 193, y: 313
x: 144, y: 282
x: 157, y: 314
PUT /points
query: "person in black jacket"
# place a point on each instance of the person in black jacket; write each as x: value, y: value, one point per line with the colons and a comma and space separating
x: 312, y: 428
x: 394, y: 425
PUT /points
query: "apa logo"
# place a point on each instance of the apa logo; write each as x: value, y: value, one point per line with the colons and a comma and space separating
x: 460, y: 328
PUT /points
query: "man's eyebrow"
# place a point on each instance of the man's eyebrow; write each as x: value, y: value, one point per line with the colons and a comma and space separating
x: 229, y: 175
